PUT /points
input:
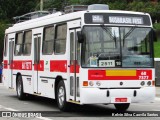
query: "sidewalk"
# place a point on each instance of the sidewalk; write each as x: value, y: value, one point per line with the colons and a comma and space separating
x: 158, y: 91
x: 1, y: 84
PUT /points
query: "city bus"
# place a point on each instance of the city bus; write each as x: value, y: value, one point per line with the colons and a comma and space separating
x: 93, y: 56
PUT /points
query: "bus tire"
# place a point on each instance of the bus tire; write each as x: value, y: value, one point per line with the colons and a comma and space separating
x: 122, y: 106
x: 20, y: 94
x: 61, y: 97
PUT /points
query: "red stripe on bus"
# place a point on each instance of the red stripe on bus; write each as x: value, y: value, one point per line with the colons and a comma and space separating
x: 40, y: 66
x: 72, y: 66
x: 72, y: 69
x: 58, y: 65
x: 101, y: 75
x: 5, y: 64
x: 21, y: 65
x: 24, y: 65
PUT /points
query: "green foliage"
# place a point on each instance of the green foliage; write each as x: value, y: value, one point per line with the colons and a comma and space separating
x: 156, y: 26
x: 3, y: 26
x: 12, y: 8
x: 117, y: 5
x: 88, y: 2
x: 157, y: 49
x: 48, y: 4
x: 74, y: 2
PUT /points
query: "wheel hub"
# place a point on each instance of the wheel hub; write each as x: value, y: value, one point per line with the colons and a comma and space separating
x: 61, y: 96
x: 19, y: 87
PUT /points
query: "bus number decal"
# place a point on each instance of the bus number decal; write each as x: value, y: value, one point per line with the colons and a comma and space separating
x: 107, y: 63
x: 144, y: 75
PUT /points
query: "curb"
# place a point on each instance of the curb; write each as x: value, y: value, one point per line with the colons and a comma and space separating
x: 1, y: 84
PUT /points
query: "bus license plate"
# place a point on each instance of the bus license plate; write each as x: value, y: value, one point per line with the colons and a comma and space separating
x: 120, y: 100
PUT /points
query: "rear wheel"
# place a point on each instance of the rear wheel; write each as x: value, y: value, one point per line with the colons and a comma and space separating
x: 20, y: 94
x: 122, y: 107
x: 61, y: 97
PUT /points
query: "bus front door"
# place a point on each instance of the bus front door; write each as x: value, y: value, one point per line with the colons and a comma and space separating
x: 74, y: 66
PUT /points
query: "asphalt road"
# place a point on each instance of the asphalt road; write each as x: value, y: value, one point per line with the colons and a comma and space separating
x: 48, y: 109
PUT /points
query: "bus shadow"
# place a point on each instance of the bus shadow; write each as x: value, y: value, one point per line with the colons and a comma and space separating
x: 75, y: 110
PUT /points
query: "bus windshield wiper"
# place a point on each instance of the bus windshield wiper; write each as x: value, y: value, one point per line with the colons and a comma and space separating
x: 113, y: 37
x: 128, y: 33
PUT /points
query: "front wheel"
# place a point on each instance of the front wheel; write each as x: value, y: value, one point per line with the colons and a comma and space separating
x: 122, y: 107
x: 20, y: 94
x: 61, y: 97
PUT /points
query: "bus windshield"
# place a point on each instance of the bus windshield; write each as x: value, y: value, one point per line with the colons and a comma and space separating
x: 106, y: 46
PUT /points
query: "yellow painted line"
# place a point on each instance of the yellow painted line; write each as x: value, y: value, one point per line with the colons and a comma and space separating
x: 76, y: 102
x: 120, y: 72
x: 38, y: 94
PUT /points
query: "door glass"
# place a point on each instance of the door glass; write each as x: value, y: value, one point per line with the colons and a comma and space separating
x: 72, y: 47
x: 78, y: 51
x: 37, y: 50
x: 11, y: 43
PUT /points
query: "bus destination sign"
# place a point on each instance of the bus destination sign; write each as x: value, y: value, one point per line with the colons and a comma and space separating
x: 117, y: 18
x: 126, y: 20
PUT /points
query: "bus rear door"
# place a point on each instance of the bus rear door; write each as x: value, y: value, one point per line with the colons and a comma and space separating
x: 10, y: 61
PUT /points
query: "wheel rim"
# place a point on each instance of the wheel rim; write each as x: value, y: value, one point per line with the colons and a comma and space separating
x: 19, y: 87
x: 61, y: 95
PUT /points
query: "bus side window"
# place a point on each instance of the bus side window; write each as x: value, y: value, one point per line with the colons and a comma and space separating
x: 27, y: 42
x: 5, y: 45
x: 18, y: 44
x: 60, y: 39
x: 48, y: 40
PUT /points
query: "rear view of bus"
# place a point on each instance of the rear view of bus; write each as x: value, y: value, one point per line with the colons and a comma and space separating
x: 117, y: 58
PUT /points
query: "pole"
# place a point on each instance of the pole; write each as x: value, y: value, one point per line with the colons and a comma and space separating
x: 41, y: 5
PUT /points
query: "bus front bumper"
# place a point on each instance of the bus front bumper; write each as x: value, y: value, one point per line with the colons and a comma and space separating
x: 101, y: 96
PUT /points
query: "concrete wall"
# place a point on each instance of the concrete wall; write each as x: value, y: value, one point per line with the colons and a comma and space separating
x: 157, y: 71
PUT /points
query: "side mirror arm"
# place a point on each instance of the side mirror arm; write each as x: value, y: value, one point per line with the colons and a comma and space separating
x: 80, y: 37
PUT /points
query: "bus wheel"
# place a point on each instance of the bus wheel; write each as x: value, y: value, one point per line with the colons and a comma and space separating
x: 122, y: 107
x: 61, y: 97
x: 20, y: 94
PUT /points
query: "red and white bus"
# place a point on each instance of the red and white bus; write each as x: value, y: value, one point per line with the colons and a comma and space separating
x: 96, y: 56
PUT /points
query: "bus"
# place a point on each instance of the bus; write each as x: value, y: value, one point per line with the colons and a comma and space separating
x: 93, y: 56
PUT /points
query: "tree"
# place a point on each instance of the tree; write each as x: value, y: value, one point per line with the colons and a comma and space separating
x: 3, y: 26
x: 12, y: 8
x: 117, y: 5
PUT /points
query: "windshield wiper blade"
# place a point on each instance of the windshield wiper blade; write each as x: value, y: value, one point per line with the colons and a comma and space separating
x: 128, y: 33
x: 107, y: 30
x: 113, y: 37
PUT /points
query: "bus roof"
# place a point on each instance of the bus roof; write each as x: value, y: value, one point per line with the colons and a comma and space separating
x: 60, y: 17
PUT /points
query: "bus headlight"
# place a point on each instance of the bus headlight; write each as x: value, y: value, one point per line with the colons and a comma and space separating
x: 149, y: 83
x: 142, y: 83
x: 98, y: 83
x: 91, y: 83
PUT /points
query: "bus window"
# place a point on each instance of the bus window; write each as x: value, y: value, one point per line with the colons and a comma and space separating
x: 27, y: 42
x: 60, y: 40
x: 48, y: 41
x: 18, y: 44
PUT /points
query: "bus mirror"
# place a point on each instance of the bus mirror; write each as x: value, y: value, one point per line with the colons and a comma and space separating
x: 154, y: 36
x: 80, y: 37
